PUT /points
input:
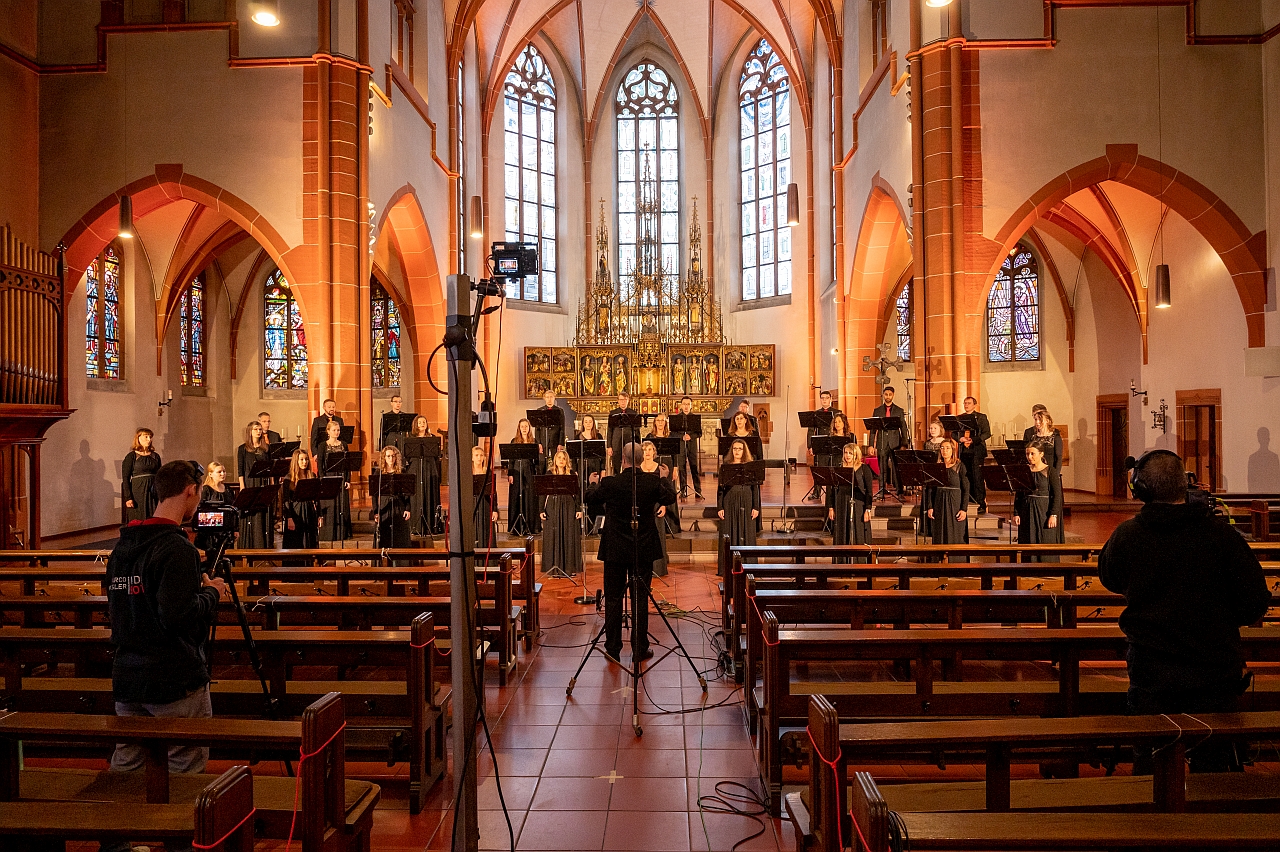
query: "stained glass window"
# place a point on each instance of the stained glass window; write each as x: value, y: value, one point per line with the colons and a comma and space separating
x: 903, y: 313
x: 385, y: 336
x: 1013, y: 310
x: 191, y: 324
x: 102, y: 316
x: 529, y: 170
x: 285, y: 345
x: 648, y: 142
x: 764, y: 147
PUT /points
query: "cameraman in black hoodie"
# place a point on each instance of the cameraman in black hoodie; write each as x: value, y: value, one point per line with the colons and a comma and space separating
x: 1190, y: 582
x: 161, y: 607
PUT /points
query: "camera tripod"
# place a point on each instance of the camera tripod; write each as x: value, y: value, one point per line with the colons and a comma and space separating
x: 217, y: 565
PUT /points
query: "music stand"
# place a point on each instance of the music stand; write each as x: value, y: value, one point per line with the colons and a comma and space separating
x: 834, y: 477
x: 254, y: 500
x: 958, y: 423
x: 1009, y: 478
x: 752, y: 442
x: 580, y: 451
x: 550, y: 485
x: 667, y: 446
x: 817, y: 424
x: 878, y: 425
x: 690, y: 424
x: 543, y: 422
x: 749, y: 473
x: 520, y: 525
x: 388, y: 485
x: 279, y: 468
x: 395, y: 424
x: 1005, y: 456
x: 427, y: 449
x: 922, y: 475
x: 314, y: 489
x: 629, y: 420
x: 1016, y: 445
x: 283, y: 450
x: 339, y: 464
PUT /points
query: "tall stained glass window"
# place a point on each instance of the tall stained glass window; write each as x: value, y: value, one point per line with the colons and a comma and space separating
x: 285, y: 345
x: 648, y: 139
x: 102, y: 316
x: 191, y: 324
x: 1013, y: 310
x: 529, y: 175
x: 385, y: 337
x: 903, y: 315
x: 764, y: 122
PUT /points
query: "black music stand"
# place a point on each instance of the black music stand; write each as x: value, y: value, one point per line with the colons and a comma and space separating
x: 254, y: 500
x: 954, y: 423
x: 388, y: 485
x: 283, y: 450
x: 749, y: 473
x: 549, y: 485
x: 314, y: 489
x: 833, y: 477
x: 690, y: 424
x: 877, y: 425
x: 426, y: 448
x: 667, y: 446
x: 1009, y: 478
x: 520, y: 525
x: 542, y: 420
x: 579, y: 452
x: 1005, y: 456
x: 279, y: 467
x: 818, y: 421
x: 630, y: 420
x: 922, y: 475
x: 753, y: 444
x: 1017, y: 446
x: 337, y: 464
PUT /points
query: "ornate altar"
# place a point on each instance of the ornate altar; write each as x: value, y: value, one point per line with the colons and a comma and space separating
x: 652, y: 333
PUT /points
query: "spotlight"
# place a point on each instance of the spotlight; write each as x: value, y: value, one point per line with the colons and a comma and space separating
x: 126, y: 217
x: 1162, y: 286
x: 265, y: 13
x: 793, y: 205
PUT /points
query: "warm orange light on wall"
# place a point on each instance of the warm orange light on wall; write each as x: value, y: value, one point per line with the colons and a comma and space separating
x: 265, y: 13
x: 937, y: 4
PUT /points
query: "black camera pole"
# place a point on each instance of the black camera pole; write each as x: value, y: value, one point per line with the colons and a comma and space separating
x: 219, y: 565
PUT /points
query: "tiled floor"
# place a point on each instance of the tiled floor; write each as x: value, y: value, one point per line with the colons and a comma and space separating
x: 574, y: 774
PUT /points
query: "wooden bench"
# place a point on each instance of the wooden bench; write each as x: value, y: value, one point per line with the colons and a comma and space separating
x: 783, y: 702
x: 392, y: 720
x: 999, y: 744
x: 329, y: 806
x: 220, y: 819
x: 869, y: 818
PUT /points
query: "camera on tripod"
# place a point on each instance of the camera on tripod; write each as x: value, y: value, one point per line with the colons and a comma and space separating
x: 215, y: 518
x: 511, y: 262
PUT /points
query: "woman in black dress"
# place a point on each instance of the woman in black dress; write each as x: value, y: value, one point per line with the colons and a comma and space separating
x: 849, y: 508
x: 393, y: 509
x: 738, y: 506
x: 561, y: 524
x: 589, y: 465
x: 948, y: 509
x: 650, y: 463
x: 301, y: 519
x: 486, y: 517
x: 426, y: 496
x: 140, y: 464
x: 662, y: 429
x: 1049, y: 438
x: 740, y: 426
x: 522, y: 515
x: 1039, y: 512
x: 255, y: 528
x: 213, y: 492
x: 336, y: 521
x: 933, y: 441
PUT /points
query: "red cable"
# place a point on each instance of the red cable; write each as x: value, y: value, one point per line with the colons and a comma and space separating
x: 760, y: 615
x: 297, y: 786
x: 223, y: 839
x: 834, y: 771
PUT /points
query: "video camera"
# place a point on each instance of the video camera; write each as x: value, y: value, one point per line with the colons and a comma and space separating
x: 215, y: 518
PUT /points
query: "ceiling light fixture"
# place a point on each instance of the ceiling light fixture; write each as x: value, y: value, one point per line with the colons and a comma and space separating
x: 477, y: 218
x: 265, y: 13
x: 126, y: 217
x: 937, y: 4
x: 793, y: 205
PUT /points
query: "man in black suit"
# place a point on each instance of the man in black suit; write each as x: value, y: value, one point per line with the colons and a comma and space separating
x: 615, y: 439
x: 629, y: 553
x: 391, y: 430
x: 886, y: 441
x: 973, y: 451
x: 550, y: 438
x: 319, y: 426
x: 687, y: 461
x: 273, y: 437
x: 821, y: 430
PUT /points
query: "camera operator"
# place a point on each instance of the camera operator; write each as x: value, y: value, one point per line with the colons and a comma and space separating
x: 161, y: 606
x: 1190, y: 583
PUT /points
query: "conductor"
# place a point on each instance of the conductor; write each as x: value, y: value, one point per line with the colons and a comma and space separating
x: 624, y: 549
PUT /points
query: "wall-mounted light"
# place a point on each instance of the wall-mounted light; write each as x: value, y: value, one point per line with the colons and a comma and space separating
x: 793, y: 205
x: 265, y: 13
x: 163, y: 404
x: 835, y: 350
x: 126, y: 217
x: 477, y: 218
x: 1160, y: 418
x: 1162, y: 286
x: 937, y: 4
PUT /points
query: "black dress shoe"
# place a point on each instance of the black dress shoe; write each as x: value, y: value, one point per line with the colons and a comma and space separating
x: 613, y: 658
x: 642, y: 656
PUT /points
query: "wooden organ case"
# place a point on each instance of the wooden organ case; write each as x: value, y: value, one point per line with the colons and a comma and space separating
x: 33, y: 379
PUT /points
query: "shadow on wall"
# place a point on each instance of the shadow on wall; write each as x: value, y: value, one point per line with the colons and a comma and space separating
x: 90, y: 495
x: 1264, y: 465
x: 1084, y: 452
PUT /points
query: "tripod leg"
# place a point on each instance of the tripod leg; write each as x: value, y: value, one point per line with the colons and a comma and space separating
x: 594, y: 645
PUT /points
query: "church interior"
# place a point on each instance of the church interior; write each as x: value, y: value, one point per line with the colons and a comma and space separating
x: 1008, y: 243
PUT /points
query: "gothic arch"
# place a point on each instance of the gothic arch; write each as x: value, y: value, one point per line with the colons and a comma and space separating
x: 1242, y: 252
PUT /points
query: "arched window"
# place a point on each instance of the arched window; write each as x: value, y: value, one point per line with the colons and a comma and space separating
x: 460, y: 206
x: 102, y: 316
x: 385, y: 336
x: 764, y: 122
x: 648, y: 144
x: 191, y: 325
x: 1013, y: 310
x: 529, y: 122
x: 903, y: 314
x: 285, y: 343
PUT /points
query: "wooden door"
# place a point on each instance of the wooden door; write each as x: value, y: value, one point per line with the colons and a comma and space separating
x: 1113, y: 445
x: 1199, y: 441
x: 1119, y: 451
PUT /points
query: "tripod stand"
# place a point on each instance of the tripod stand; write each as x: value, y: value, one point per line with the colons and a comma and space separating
x: 640, y: 592
x: 218, y: 565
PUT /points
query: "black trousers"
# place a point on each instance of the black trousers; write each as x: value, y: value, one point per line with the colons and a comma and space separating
x: 973, y: 470
x: 888, y: 467
x: 617, y: 582
x: 689, y: 458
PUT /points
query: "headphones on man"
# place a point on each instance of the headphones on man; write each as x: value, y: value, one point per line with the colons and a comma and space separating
x: 1137, y: 485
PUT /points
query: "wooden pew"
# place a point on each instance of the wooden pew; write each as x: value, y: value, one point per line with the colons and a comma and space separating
x: 783, y: 702
x: 386, y: 719
x: 1097, y: 738
x: 328, y: 804
x: 870, y: 818
x: 219, y: 821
